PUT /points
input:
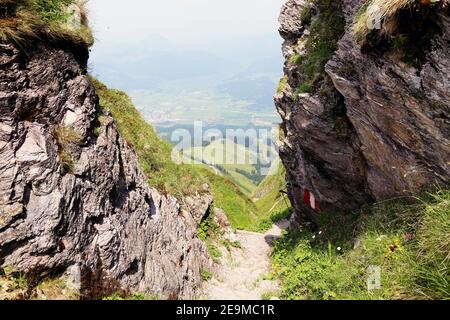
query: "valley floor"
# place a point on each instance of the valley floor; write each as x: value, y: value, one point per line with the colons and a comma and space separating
x: 242, y: 273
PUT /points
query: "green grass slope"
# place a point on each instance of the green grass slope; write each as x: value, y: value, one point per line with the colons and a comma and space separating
x: 154, y: 153
x: 408, y: 240
x: 241, y: 211
x: 241, y: 171
x: 270, y: 200
x: 269, y: 196
x: 156, y: 161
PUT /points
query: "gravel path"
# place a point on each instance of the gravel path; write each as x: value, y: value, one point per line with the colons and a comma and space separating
x: 241, y: 272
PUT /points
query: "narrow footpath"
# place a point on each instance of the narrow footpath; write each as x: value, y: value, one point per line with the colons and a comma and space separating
x: 242, y: 272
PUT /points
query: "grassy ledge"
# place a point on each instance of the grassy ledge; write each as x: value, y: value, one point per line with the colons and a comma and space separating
x: 271, y: 201
x: 326, y: 29
x: 50, y: 20
x: 404, y: 28
x: 387, y: 12
x: 408, y: 240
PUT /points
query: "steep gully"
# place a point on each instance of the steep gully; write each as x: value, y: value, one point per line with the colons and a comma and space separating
x: 377, y: 127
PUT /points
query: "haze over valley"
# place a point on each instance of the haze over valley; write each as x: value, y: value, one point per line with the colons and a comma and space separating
x: 226, y: 79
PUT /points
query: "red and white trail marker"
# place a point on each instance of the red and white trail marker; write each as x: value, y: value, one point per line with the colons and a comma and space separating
x: 311, y: 201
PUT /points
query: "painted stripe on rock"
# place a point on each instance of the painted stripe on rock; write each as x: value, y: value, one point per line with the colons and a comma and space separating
x: 310, y: 200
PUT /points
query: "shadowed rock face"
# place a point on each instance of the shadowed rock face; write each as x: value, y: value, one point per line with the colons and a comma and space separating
x: 95, y: 216
x: 375, y: 127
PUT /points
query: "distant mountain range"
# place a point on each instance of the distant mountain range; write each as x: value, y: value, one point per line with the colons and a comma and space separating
x: 226, y: 85
x: 244, y: 70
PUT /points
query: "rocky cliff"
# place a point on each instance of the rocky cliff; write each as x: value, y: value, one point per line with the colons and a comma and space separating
x: 365, y: 118
x: 72, y: 196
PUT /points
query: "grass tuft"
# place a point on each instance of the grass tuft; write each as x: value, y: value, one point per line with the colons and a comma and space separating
x: 386, y: 12
x: 66, y: 138
x: 13, y: 285
x: 209, y: 232
x: 206, y: 275
x: 51, y: 20
x: 282, y: 84
x: 131, y: 297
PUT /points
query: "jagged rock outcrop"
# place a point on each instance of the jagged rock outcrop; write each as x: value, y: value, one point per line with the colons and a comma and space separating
x: 72, y: 196
x: 375, y: 126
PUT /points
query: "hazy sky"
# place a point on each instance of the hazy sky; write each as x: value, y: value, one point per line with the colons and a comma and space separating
x: 183, y: 21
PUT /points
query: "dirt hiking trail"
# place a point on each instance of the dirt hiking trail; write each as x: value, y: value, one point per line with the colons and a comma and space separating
x: 241, y: 272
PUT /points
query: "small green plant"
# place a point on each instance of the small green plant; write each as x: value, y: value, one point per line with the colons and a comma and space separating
x: 209, y: 232
x: 305, y: 87
x: 400, y: 43
x: 282, y: 85
x: 206, y: 275
x: 66, y: 138
x: 13, y: 284
x: 269, y: 295
x: 97, y: 131
x: 227, y: 244
x: 296, y: 59
x: 132, y: 296
x: 115, y: 296
x: 208, y: 228
x: 100, y: 121
x: 20, y: 282
x: 67, y: 162
x: 54, y: 288
x: 236, y: 244
x: 231, y: 244
x: 275, y: 217
x: 214, y: 251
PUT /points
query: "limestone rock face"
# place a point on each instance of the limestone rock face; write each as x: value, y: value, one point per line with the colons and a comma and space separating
x: 72, y: 196
x: 375, y: 127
